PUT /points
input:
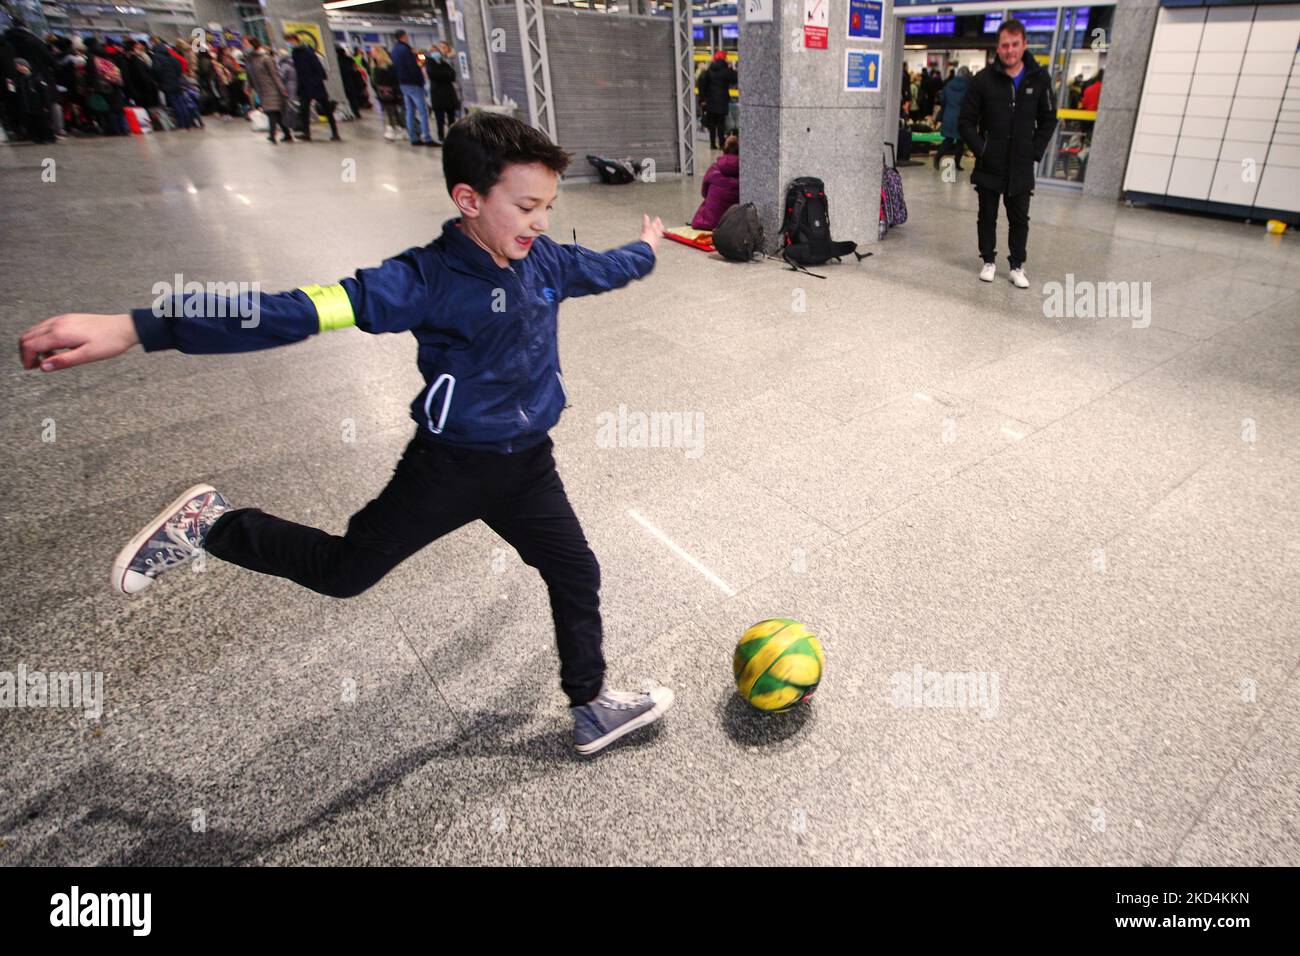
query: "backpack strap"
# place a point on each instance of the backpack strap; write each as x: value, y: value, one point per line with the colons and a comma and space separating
x: 795, y: 266
x: 795, y: 218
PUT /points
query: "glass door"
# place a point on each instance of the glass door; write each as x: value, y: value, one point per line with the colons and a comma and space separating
x: 1077, y: 61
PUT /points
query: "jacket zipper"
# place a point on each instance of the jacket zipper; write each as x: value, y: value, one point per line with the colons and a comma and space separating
x: 523, y: 350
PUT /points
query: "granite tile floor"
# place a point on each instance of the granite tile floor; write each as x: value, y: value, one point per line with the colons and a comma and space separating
x: 1095, y: 518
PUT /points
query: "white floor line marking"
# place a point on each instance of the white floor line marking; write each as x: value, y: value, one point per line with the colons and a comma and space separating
x: 722, y: 585
x: 1012, y: 434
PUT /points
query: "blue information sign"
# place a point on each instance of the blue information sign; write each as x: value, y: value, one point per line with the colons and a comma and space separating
x: 862, y: 71
x: 865, y: 17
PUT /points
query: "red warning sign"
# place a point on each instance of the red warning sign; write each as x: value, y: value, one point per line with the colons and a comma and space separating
x: 816, y: 24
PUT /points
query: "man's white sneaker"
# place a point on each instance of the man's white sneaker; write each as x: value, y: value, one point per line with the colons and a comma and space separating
x: 173, y: 538
x: 988, y: 271
x: 1019, y: 279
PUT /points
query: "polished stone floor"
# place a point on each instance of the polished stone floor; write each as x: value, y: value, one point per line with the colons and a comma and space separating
x: 1092, y: 520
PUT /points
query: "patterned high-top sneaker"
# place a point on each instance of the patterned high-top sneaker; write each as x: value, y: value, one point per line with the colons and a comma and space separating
x: 615, y: 713
x: 173, y: 538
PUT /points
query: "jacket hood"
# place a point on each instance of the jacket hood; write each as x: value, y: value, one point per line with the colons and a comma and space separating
x: 729, y: 165
x: 959, y: 83
x: 718, y: 66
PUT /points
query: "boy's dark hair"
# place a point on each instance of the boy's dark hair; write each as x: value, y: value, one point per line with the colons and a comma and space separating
x: 1011, y: 26
x: 481, y: 145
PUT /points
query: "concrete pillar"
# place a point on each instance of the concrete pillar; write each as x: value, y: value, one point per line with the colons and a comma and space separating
x: 478, y: 87
x: 796, y: 119
x: 1126, y: 66
x: 307, y: 11
x: 894, y: 102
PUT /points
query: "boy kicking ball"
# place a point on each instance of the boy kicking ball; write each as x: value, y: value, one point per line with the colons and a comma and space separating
x: 482, y: 301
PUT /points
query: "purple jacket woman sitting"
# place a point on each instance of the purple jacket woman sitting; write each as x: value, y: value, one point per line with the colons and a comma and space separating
x: 721, y: 189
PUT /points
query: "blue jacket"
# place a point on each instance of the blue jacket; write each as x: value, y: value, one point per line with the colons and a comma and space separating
x: 406, y: 65
x: 951, y: 99
x: 487, y: 335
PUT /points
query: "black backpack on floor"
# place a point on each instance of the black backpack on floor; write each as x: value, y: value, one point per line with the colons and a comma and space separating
x: 806, y: 232
x: 739, y: 234
x: 615, y: 172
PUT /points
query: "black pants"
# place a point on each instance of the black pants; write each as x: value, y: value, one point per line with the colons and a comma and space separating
x: 716, y: 123
x: 1017, y: 225
x: 275, y: 118
x: 436, y: 489
x: 444, y: 119
x: 305, y: 110
x: 949, y: 147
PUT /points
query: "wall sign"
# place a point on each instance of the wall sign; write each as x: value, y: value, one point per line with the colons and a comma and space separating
x: 816, y: 24
x: 865, y: 18
x: 758, y: 11
x: 862, y: 71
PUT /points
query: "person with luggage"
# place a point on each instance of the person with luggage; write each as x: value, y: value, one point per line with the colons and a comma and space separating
x: 1007, y: 120
x: 103, y: 91
x: 310, y: 73
x: 269, y: 86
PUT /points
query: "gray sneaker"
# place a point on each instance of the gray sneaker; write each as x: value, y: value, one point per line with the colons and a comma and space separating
x: 615, y: 713
x: 173, y: 538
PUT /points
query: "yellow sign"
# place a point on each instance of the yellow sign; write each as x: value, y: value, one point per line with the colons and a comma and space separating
x: 309, y: 33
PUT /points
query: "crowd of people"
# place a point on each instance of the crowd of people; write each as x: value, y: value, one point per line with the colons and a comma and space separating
x: 55, y: 87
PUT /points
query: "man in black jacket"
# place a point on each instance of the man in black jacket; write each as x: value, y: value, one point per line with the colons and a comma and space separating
x: 1007, y: 120
x: 715, y: 95
x: 311, y: 85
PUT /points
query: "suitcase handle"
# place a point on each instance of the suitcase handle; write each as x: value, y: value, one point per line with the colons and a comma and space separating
x: 892, y: 153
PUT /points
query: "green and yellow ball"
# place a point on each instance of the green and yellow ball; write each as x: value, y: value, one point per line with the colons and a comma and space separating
x: 778, y: 664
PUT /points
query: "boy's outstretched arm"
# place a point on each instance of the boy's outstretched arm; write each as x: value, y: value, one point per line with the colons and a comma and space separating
x: 589, y: 273
x: 393, y: 297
